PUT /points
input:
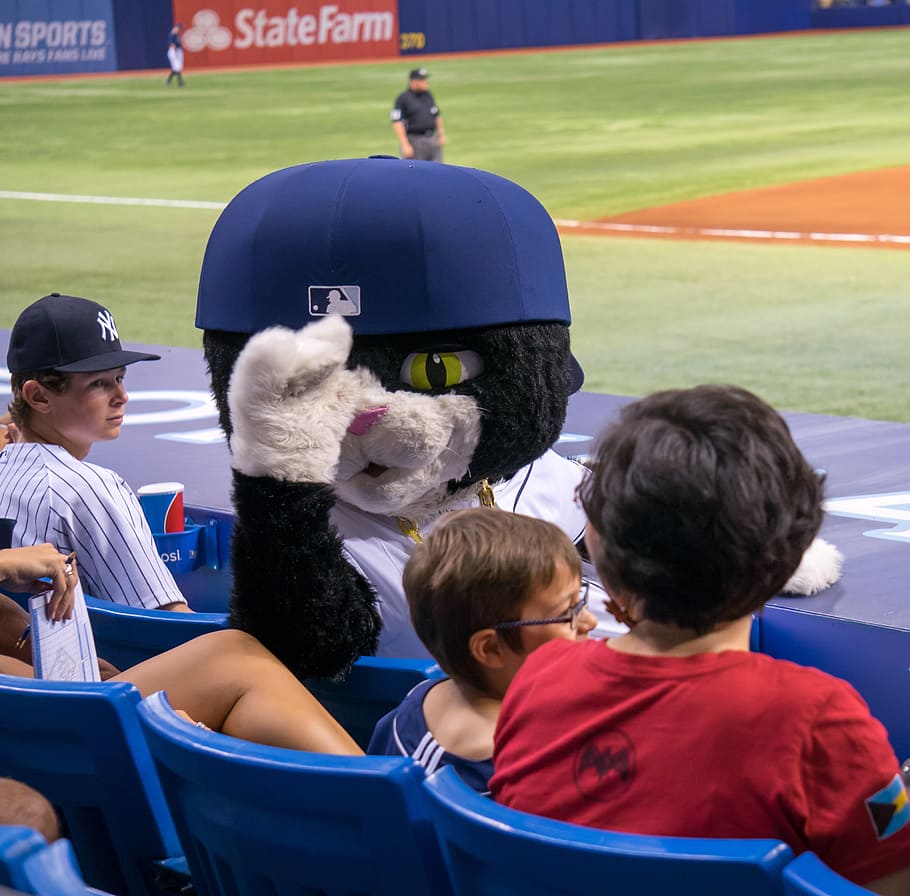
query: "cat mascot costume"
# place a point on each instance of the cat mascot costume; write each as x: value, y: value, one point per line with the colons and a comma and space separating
x: 388, y: 340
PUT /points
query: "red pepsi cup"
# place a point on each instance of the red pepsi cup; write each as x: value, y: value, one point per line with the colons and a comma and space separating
x: 162, y: 504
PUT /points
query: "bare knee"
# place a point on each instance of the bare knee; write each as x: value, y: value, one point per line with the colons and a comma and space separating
x: 233, y: 641
x: 11, y: 666
x: 233, y: 649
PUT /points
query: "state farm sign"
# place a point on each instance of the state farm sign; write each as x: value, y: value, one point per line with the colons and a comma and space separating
x: 223, y: 32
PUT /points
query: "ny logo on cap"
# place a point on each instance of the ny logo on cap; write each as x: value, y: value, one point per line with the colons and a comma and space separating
x: 344, y: 300
x: 108, y: 327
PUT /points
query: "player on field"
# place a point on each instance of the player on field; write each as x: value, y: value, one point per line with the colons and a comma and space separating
x: 175, y: 54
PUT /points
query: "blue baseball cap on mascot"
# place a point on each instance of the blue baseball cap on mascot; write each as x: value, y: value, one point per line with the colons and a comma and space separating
x: 395, y: 246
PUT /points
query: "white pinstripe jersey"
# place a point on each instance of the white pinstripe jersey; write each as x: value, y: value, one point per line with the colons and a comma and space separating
x: 79, y: 506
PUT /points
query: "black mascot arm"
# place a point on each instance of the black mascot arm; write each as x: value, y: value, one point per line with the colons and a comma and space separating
x: 298, y: 595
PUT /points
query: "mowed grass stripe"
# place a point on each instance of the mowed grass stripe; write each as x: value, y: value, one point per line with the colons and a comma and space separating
x: 592, y: 133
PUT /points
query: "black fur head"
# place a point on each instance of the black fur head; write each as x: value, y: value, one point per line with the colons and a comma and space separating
x: 523, y: 390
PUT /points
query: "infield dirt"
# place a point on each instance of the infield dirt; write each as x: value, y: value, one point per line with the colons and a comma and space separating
x: 867, y: 208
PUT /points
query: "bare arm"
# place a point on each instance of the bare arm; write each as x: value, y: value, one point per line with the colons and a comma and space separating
x: 407, y: 150
x: 231, y: 683
x: 13, y: 620
x: 22, y: 568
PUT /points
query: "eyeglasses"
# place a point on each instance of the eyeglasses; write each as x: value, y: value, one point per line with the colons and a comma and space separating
x: 571, y: 616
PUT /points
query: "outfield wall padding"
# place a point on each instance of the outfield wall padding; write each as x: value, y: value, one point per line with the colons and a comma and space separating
x: 442, y: 26
x: 56, y: 37
x: 660, y: 19
x: 141, y: 29
x: 52, y: 37
x: 241, y: 32
x: 768, y: 16
x: 506, y: 24
x: 861, y: 16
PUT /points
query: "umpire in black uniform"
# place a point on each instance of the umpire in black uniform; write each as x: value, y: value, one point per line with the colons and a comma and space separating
x: 417, y: 121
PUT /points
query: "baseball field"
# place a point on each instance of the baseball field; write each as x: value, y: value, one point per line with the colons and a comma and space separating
x: 730, y: 210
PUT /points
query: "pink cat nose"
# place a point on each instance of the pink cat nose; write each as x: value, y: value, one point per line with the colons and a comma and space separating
x: 365, y: 420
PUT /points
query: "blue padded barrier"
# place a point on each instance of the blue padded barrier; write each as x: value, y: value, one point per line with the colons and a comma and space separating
x: 843, y: 648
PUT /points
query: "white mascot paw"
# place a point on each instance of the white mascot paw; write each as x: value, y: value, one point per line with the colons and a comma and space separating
x: 291, y: 401
x: 819, y: 569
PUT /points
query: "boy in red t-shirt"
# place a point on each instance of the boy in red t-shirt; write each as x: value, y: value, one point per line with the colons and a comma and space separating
x: 700, y: 506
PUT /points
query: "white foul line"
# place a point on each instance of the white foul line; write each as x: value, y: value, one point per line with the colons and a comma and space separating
x: 615, y: 226
x: 111, y: 200
x: 618, y: 227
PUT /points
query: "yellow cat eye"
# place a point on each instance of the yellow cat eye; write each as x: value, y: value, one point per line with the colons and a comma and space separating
x: 440, y: 370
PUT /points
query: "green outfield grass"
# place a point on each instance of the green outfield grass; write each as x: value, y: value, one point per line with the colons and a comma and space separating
x: 590, y: 132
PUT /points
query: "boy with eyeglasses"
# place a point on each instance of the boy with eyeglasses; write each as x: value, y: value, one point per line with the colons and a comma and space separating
x: 485, y: 589
x: 700, y: 506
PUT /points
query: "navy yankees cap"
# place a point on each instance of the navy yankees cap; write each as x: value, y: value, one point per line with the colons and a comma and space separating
x: 418, y: 74
x: 68, y: 334
x: 394, y: 245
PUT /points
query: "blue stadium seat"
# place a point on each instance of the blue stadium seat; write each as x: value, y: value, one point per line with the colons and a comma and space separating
x: 80, y: 745
x: 808, y: 875
x: 375, y: 686
x: 35, y: 867
x: 16, y: 844
x: 126, y: 636
x: 264, y: 821
x: 492, y: 850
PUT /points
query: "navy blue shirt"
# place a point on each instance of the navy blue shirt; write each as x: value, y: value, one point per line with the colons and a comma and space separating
x: 404, y: 732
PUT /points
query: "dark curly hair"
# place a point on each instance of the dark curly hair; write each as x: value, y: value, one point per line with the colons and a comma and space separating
x: 703, y: 503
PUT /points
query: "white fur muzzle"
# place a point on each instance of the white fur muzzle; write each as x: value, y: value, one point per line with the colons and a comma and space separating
x: 293, y: 402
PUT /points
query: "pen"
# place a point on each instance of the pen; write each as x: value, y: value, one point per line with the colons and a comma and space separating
x: 24, y: 637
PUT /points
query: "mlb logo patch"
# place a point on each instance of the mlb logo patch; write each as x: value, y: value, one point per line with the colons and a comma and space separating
x: 344, y: 300
x: 889, y: 809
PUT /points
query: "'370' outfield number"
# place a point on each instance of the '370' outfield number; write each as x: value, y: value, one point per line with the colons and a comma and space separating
x: 412, y: 40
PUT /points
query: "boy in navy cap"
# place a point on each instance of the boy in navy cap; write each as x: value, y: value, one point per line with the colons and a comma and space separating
x: 67, y: 368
